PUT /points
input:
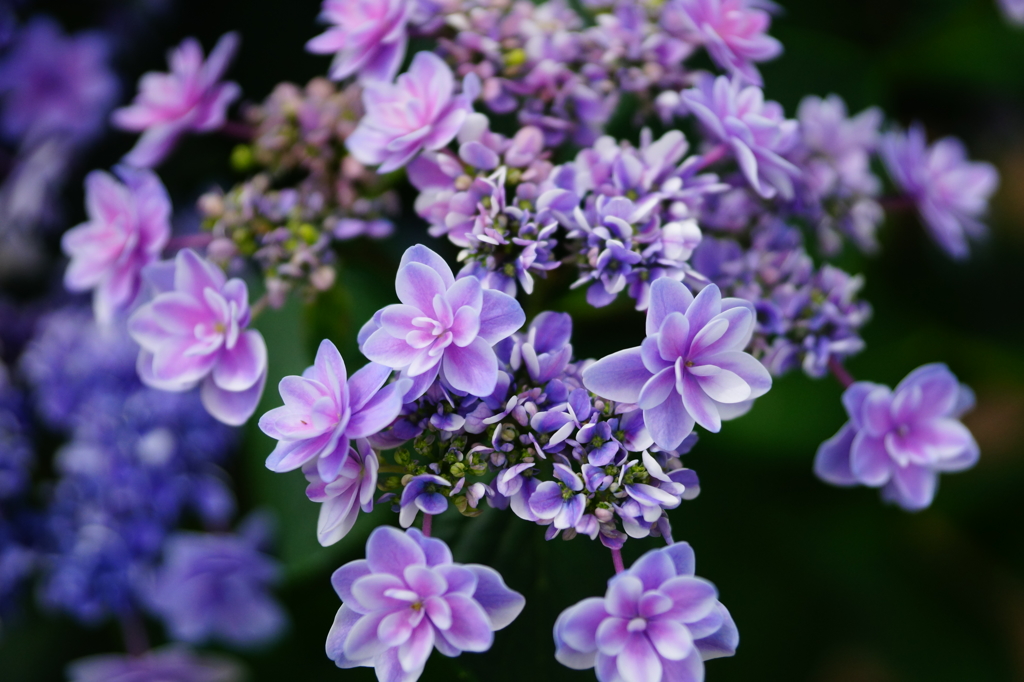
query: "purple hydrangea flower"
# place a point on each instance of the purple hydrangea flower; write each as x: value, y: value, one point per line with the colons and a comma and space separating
x: 170, y: 664
x: 422, y: 493
x: 324, y: 410
x: 691, y: 362
x: 55, y: 84
x: 657, y: 622
x: 950, y: 192
x: 442, y: 326
x: 408, y: 597
x: 128, y: 227
x: 217, y: 587
x: 901, y: 440
x: 733, y: 31
x: 757, y: 132
x: 194, y: 331
x: 561, y: 502
x: 545, y: 350
x: 189, y: 98
x: 343, y: 497
x: 367, y: 37
x: 420, y: 111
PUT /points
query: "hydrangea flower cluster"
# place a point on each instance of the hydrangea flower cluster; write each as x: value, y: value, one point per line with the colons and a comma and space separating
x: 503, y: 131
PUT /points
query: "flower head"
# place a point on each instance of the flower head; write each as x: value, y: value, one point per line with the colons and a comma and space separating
x: 55, y: 84
x: 324, y: 410
x: 194, y: 331
x: 217, y: 587
x: 901, y: 439
x: 951, y: 192
x: 367, y: 37
x: 756, y: 131
x: 190, y: 98
x: 733, y: 31
x: 420, y: 111
x: 656, y: 622
x: 128, y: 227
x: 408, y: 597
x: 691, y: 362
x: 442, y: 326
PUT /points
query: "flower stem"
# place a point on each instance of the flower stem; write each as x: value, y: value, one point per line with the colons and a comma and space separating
x: 133, y: 630
x: 427, y: 523
x: 617, y: 560
x: 258, y: 307
x: 840, y: 373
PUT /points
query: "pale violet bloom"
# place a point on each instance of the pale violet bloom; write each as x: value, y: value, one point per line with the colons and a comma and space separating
x: 343, y: 498
x: 422, y: 494
x: 690, y: 365
x: 127, y: 229
x: 901, y: 440
x: 367, y: 37
x: 734, y: 32
x: 419, y: 112
x: 407, y: 598
x: 324, y: 410
x: 218, y: 587
x: 55, y: 84
x: 560, y: 502
x: 756, y: 132
x: 168, y: 664
x: 1013, y: 10
x: 194, y: 332
x: 442, y: 327
x: 190, y: 98
x: 950, y: 191
x: 656, y: 623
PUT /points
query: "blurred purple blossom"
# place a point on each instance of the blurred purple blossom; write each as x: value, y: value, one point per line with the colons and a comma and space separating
x: 217, y: 587
x: 420, y: 111
x: 195, y: 331
x: 367, y: 37
x: 756, y: 132
x: 53, y: 84
x: 128, y: 228
x: 408, y: 597
x: 950, y: 191
x: 169, y: 664
x: 1013, y: 10
x: 901, y: 440
x: 656, y: 622
x: 190, y: 98
x: 734, y: 32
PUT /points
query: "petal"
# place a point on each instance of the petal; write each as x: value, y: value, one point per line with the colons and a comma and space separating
x: 623, y: 597
x: 578, y: 624
x: 378, y: 413
x: 241, y: 367
x: 682, y: 557
x: 329, y: 368
x: 466, y: 326
x: 699, y: 405
x: 671, y: 639
x: 694, y: 598
x: 368, y: 592
x: 414, y: 652
x: 473, y: 369
x: 612, y: 635
x: 658, y: 389
x: 343, y: 578
x: 389, y: 550
x: 706, y: 305
x: 363, y: 641
x: 869, y: 460
x: 743, y: 365
x: 667, y: 296
x: 501, y: 603
x: 653, y: 568
x: 343, y: 623
x: 470, y: 630
x: 832, y: 462
x: 673, y: 337
x: 723, y: 642
x: 669, y: 423
x: 734, y: 330
x: 619, y: 377
x: 417, y: 285
x: 725, y: 387
x: 231, y: 407
x: 914, y: 486
x: 385, y: 349
x: 421, y: 254
x: 365, y: 383
x: 500, y: 316
x: 638, y: 661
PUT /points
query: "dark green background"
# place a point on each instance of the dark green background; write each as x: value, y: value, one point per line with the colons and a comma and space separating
x: 825, y: 584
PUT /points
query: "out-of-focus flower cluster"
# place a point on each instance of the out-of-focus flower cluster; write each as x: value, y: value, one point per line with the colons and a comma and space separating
x: 306, y: 193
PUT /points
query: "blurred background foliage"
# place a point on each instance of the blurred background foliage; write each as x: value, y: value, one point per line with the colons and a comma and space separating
x: 826, y: 585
